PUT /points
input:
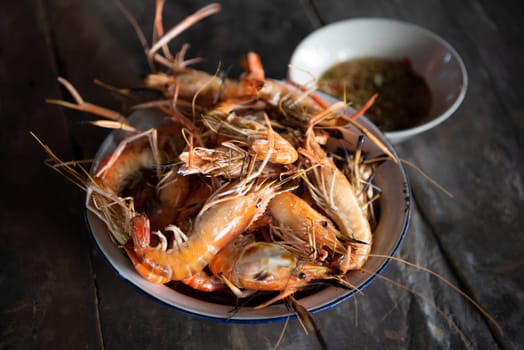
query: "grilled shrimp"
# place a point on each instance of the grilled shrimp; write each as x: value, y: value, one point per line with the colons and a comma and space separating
x: 227, y: 160
x: 246, y: 264
x: 333, y: 192
x: 135, y: 170
x: 225, y: 215
x: 300, y: 225
x: 254, y: 130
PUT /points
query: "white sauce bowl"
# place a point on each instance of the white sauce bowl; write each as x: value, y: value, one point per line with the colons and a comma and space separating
x: 431, y: 57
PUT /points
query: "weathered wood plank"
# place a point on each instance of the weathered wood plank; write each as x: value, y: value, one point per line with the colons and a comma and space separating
x: 48, y: 298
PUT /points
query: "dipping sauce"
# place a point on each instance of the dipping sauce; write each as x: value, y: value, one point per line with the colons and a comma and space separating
x: 404, y: 98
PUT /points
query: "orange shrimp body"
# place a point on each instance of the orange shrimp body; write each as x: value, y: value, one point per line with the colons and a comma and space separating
x: 342, y: 205
x: 205, y: 283
x: 298, y: 108
x: 142, y: 269
x: 332, y: 191
x: 284, y: 152
x: 215, y: 226
x: 205, y: 89
x: 265, y: 266
x: 295, y: 216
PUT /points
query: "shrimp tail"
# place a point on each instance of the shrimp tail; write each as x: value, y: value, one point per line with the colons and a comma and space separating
x: 142, y: 269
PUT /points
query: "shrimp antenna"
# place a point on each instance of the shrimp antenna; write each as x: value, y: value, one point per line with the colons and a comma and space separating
x: 202, y: 88
x: 281, y: 336
x: 182, y: 26
x: 67, y: 169
x: 306, y: 319
x: 433, y: 305
x: 158, y: 28
x: 449, y: 284
x: 115, y: 120
x: 312, y: 80
x: 374, y: 139
x: 138, y: 31
x: 427, y: 177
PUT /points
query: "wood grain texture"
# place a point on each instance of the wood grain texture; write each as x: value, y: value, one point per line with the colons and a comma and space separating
x: 58, y: 292
x: 48, y: 293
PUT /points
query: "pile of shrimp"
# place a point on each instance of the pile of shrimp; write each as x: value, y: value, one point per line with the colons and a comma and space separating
x: 235, y: 191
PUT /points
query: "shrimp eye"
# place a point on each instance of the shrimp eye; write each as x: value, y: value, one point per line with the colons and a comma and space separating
x: 302, y: 275
x: 325, y: 223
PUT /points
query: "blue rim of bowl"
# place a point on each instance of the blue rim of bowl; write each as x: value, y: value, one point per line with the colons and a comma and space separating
x: 291, y: 316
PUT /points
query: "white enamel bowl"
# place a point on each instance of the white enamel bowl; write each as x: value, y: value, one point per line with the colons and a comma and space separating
x: 394, y: 212
x: 431, y: 57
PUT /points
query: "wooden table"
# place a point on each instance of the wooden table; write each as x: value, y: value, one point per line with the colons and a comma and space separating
x: 58, y: 292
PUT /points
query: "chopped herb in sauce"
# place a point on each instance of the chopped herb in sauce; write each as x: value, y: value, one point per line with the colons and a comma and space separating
x: 404, y: 98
